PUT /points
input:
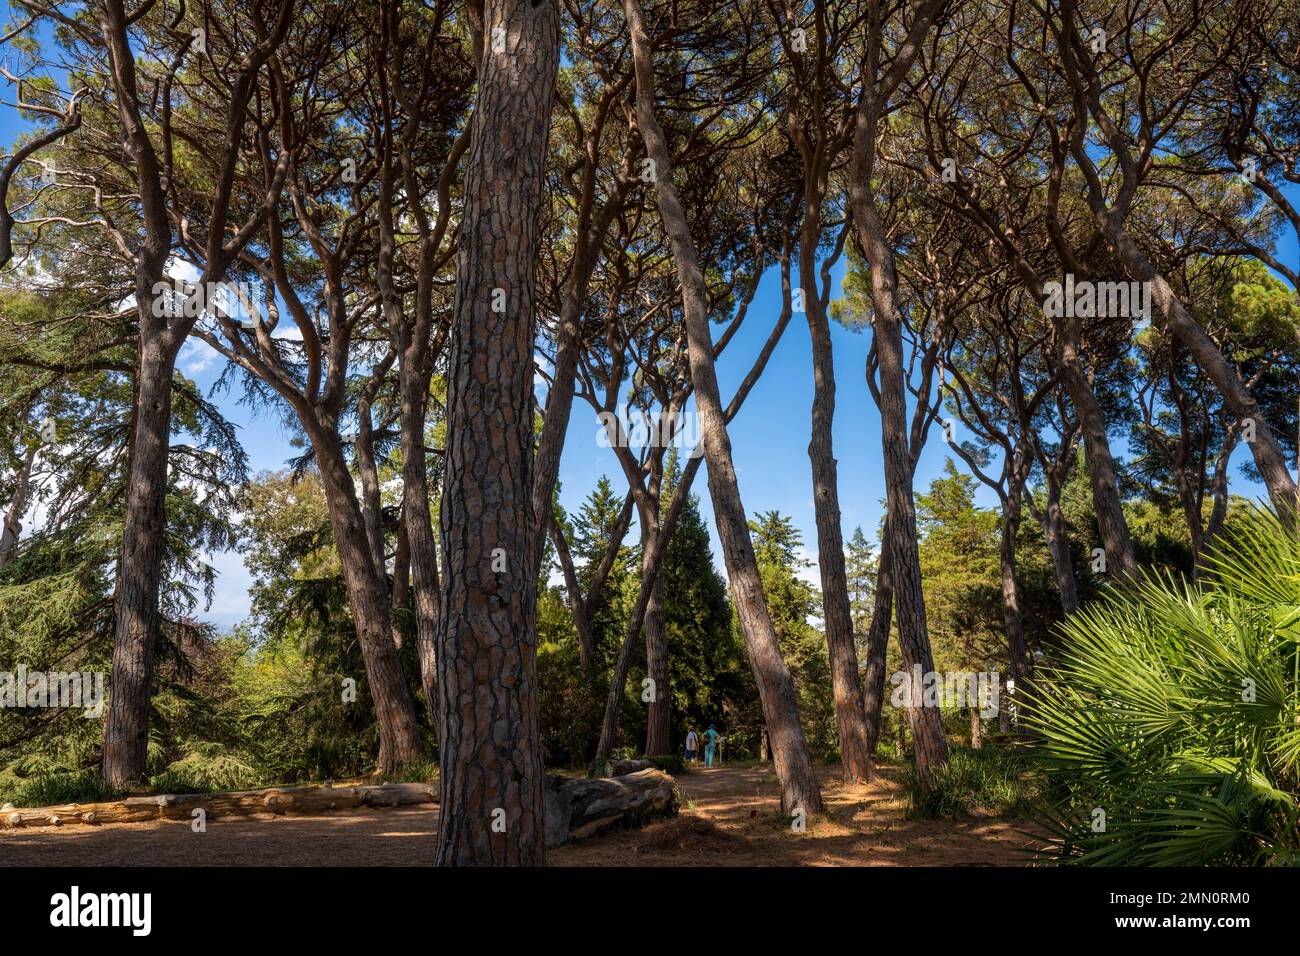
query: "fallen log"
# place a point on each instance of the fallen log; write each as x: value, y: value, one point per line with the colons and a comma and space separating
x: 181, y: 806
x: 581, y: 807
x: 621, y: 768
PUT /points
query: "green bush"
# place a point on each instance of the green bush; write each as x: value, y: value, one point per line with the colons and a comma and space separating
x: 992, y: 780
x: 52, y: 789
x: 1171, y: 728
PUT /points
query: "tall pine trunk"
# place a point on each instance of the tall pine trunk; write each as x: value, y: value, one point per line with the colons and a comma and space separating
x: 368, y: 600
x: 126, y: 727
x: 928, y: 740
x: 490, y: 748
x: 873, y: 680
x: 799, y: 790
x: 655, y: 632
x: 837, y: 615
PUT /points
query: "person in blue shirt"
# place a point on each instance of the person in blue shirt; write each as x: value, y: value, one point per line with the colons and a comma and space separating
x: 711, y: 737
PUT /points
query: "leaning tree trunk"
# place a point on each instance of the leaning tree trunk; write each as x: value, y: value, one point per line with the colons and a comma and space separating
x: 399, y: 732
x: 490, y: 751
x: 850, y: 711
x: 799, y: 790
x: 126, y: 727
x: 1267, y: 453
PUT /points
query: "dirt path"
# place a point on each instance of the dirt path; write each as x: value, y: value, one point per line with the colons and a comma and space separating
x: 729, y: 819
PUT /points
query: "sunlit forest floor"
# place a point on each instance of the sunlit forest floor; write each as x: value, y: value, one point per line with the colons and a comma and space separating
x: 729, y: 818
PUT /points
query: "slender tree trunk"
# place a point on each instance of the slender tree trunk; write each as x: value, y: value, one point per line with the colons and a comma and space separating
x: 126, y: 727
x: 1052, y: 521
x: 490, y: 751
x: 928, y: 738
x: 581, y: 619
x: 799, y: 790
x: 975, y: 740
x: 417, y: 523
x: 13, y: 524
x: 1111, y: 524
x: 652, y: 556
x: 371, y: 503
x: 877, y: 647
x: 850, y: 710
x: 1012, y: 621
x: 399, y: 733
x: 656, y: 657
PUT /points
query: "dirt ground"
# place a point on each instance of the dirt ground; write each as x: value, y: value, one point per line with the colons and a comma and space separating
x: 729, y: 818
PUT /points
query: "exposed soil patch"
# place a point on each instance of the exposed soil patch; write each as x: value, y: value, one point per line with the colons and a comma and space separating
x: 729, y: 818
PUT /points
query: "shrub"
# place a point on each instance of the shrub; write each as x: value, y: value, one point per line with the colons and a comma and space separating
x: 1171, y: 727
x: 991, y: 780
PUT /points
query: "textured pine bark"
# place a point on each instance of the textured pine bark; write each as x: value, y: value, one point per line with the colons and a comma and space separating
x: 928, y: 740
x: 837, y: 615
x: 655, y: 628
x: 490, y: 749
x: 873, y: 680
x: 1052, y: 521
x: 135, y: 633
x: 1111, y: 524
x: 368, y: 600
x: 776, y: 690
x: 1012, y: 620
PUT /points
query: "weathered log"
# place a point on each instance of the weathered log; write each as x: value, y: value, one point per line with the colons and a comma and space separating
x: 181, y: 806
x: 621, y: 768
x: 579, y: 807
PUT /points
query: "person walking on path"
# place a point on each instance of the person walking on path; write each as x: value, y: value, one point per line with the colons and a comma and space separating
x: 692, y: 744
x: 711, y: 737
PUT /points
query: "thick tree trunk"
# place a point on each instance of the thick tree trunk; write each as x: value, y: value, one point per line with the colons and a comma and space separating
x: 399, y: 733
x: 877, y: 646
x: 490, y: 749
x: 850, y: 712
x: 126, y: 728
x: 799, y: 790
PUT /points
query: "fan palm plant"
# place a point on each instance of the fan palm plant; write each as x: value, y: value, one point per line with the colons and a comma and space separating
x: 1170, y: 729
